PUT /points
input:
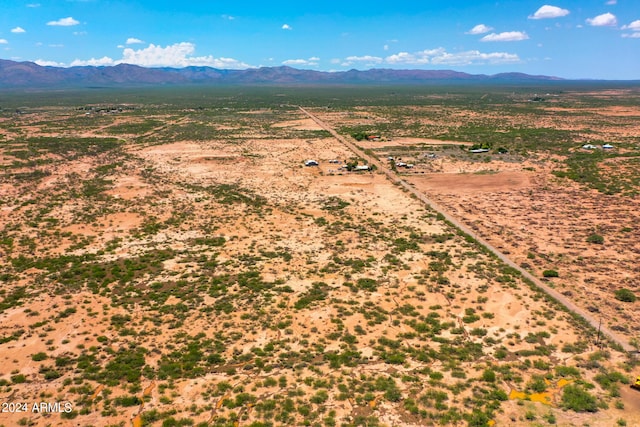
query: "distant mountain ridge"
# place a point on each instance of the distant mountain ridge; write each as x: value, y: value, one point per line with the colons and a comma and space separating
x: 30, y: 74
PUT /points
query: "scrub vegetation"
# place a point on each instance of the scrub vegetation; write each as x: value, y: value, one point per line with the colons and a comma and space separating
x: 169, y: 260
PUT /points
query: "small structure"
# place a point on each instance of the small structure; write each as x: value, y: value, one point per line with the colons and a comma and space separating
x: 362, y: 168
x: 373, y: 137
x: 589, y: 147
x: 334, y: 161
x: 311, y: 163
x: 607, y: 147
x: 479, y: 150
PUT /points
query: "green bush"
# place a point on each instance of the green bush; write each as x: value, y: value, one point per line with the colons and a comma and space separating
x: 367, y: 284
x: 18, y: 379
x: 625, y: 295
x: 489, y: 376
x: 550, y: 273
x: 596, y: 239
x: 127, y: 401
x: 38, y: 357
x: 578, y: 399
x: 537, y: 384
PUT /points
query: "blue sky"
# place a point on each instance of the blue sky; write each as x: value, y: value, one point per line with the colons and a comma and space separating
x: 571, y: 39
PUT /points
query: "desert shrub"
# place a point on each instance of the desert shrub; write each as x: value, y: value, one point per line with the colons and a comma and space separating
x: 127, y: 401
x: 320, y: 397
x: 609, y: 379
x: 318, y: 292
x: 478, y: 418
x: 596, y: 239
x: 360, y: 135
x: 367, y: 284
x: 578, y: 399
x: 50, y: 374
x: 394, y: 357
x: 334, y: 203
x: 625, y: 295
x: 125, y: 365
x: 38, y: 357
x: 567, y: 371
x: 537, y: 384
x: 489, y: 376
x: 18, y: 379
x: 550, y: 273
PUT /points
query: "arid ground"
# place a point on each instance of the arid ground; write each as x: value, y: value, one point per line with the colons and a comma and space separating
x: 169, y: 260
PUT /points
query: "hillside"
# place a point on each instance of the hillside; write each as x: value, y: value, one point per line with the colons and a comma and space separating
x: 29, y: 74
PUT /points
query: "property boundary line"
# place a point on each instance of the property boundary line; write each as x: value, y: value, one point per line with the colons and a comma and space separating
x: 555, y: 295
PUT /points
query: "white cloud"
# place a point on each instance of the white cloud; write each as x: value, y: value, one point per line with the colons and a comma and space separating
x: 79, y: 33
x: 177, y: 55
x: 311, y: 62
x: 18, y: 30
x: 32, y: 5
x: 44, y: 63
x: 634, y: 26
x: 368, y: 60
x: 228, y: 17
x: 632, y: 36
x: 64, y: 22
x: 475, y: 57
x: 4, y: 41
x: 508, y: 36
x: 286, y: 27
x: 479, y: 29
x: 612, y: 2
x: 133, y: 40
x: 105, y: 60
x: 406, y: 58
x: 296, y: 62
x: 365, y: 58
x: 604, y: 20
x: 547, y: 12
x: 440, y: 56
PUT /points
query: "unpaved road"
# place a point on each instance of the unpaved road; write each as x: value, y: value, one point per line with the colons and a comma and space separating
x: 595, y: 323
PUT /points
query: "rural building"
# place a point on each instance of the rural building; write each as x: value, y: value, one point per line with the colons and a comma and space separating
x: 311, y: 163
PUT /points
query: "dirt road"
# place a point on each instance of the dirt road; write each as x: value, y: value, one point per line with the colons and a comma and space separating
x: 595, y: 323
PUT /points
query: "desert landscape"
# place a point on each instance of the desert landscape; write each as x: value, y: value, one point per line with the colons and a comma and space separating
x: 168, y: 259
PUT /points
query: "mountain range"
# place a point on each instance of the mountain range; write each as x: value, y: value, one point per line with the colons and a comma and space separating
x: 30, y: 74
